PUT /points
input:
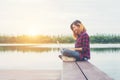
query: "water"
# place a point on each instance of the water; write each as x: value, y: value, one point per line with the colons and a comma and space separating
x: 28, y: 57
x: 45, y: 56
x: 107, y: 59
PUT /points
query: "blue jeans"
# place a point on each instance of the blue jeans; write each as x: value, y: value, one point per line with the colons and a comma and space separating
x: 71, y: 53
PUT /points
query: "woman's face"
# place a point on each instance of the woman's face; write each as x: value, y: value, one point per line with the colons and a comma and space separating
x: 76, y: 29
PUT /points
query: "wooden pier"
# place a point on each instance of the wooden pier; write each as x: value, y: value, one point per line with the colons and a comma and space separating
x: 82, y: 70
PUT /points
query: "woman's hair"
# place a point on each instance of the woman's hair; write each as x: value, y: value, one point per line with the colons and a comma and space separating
x: 78, y: 24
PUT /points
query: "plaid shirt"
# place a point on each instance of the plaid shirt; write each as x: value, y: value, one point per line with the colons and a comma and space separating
x: 83, y: 42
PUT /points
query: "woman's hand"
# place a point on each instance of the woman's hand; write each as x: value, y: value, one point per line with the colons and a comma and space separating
x: 76, y: 49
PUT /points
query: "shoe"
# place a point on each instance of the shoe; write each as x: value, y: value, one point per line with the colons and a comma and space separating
x: 67, y: 59
x: 60, y: 56
x: 85, y: 59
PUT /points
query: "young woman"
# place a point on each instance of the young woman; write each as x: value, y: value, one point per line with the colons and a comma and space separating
x: 82, y: 48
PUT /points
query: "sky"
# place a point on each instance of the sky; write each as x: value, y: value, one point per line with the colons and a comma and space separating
x: 53, y: 17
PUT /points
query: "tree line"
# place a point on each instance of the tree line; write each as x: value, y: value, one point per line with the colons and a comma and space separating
x: 105, y: 38
x: 36, y: 39
x: 98, y: 38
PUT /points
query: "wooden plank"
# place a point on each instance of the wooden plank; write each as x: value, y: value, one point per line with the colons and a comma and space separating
x: 92, y: 72
x: 30, y: 74
x: 71, y: 72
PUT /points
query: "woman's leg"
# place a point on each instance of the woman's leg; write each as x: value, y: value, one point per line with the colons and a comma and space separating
x: 71, y: 53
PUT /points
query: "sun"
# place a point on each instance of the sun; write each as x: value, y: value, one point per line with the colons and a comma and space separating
x: 32, y: 32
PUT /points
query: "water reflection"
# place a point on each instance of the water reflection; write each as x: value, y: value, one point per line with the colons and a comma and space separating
x: 105, y: 50
x: 29, y: 58
x: 47, y: 49
x: 26, y: 49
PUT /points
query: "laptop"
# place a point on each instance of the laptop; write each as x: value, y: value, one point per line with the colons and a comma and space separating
x: 59, y: 46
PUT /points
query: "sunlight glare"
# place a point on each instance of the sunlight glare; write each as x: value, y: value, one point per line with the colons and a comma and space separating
x: 32, y: 32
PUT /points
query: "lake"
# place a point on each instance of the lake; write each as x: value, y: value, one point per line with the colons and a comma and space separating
x: 45, y: 57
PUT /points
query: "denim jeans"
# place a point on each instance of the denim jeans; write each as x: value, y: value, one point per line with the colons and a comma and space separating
x: 70, y: 53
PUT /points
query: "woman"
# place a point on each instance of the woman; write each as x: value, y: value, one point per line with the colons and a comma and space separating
x: 82, y: 48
